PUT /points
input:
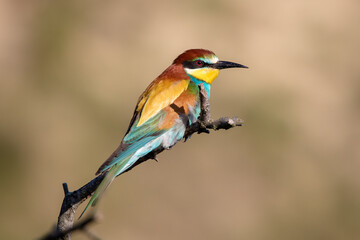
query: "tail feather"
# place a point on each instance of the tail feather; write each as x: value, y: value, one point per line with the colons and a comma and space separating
x: 121, y: 166
x: 110, y: 176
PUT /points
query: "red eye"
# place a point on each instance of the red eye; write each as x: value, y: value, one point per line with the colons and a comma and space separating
x: 199, y: 63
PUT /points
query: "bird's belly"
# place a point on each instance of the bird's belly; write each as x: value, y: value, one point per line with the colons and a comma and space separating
x: 173, y: 135
x: 176, y: 121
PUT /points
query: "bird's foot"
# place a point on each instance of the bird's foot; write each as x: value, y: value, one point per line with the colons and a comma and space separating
x: 203, y: 128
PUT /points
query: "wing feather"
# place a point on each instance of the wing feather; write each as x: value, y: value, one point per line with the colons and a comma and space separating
x: 161, y: 95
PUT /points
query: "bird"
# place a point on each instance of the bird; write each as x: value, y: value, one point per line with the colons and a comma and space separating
x: 164, y: 110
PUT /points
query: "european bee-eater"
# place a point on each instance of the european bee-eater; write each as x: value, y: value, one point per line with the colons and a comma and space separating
x: 168, y: 105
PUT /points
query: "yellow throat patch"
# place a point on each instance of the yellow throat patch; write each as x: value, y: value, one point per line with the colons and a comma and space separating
x: 205, y: 74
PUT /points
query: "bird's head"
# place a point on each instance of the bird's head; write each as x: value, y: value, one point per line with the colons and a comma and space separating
x: 203, y: 64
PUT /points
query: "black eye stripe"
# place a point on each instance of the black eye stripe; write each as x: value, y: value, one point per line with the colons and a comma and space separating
x: 194, y: 64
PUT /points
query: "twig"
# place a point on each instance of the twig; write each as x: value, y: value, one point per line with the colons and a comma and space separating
x: 81, y: 225
x: 72, y: 200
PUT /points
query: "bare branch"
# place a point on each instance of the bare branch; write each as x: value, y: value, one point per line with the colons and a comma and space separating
x: 72, y: 200
x: 205, y: 116
x: 81, y: 225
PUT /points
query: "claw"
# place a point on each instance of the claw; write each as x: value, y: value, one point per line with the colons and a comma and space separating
x: 203, y: 128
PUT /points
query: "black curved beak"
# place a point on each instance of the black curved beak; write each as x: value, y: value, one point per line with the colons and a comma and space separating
x: 225, y: 64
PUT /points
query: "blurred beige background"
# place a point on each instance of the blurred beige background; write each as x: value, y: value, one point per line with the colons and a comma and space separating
x: 70, y: 76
